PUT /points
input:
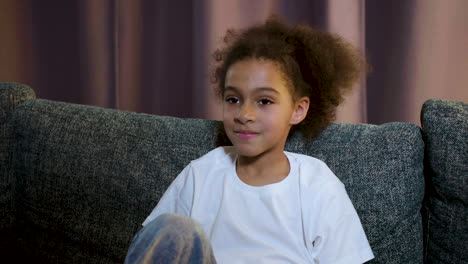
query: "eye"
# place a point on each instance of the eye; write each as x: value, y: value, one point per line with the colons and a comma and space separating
x: 265, y: 102
x: 231, y: 100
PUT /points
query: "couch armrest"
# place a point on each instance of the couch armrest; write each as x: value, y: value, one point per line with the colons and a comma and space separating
x: 11, y: 94
x: 445, y: 131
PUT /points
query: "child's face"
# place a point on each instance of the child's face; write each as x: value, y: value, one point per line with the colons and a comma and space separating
x: 258, y: 108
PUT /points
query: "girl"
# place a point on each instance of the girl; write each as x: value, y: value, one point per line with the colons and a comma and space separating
x: 253, y: 202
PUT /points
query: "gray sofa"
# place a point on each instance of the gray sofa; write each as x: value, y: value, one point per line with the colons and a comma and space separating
x: 77, y: 181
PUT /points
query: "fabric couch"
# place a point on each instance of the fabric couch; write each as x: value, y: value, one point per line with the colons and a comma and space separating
x: 77, y: 181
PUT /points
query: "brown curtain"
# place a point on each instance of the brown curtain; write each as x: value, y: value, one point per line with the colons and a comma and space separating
x: 154, y: 56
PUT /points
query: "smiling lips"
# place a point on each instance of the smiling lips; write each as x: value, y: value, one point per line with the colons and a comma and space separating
x: 243, y: 134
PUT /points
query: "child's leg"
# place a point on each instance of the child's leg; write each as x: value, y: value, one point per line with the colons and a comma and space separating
x: 170, y: 238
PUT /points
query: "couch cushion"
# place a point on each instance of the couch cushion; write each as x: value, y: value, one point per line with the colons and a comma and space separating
x: 87, y: 177
x: 445, y: 126
x: 382, y: 169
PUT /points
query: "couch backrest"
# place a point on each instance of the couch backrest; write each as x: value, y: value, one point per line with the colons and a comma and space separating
x: 87, y: 177
x: 382, y: 169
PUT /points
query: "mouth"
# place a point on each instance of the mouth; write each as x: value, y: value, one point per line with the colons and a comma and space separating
x: 244, y: 134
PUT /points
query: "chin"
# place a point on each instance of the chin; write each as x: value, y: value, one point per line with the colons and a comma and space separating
x: 246, y: 151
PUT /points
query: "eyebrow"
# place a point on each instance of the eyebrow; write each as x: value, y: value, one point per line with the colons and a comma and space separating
x: 259, y: 89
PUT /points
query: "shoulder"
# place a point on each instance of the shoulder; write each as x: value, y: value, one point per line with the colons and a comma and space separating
x: 313, y: 173
x: 321, y: 189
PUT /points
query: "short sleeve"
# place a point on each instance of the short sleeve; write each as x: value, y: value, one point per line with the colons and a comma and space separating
x: 178, y: 198
x: 342, y: 238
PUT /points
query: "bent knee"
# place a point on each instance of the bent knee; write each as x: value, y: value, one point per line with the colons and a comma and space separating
x: 178, y: 224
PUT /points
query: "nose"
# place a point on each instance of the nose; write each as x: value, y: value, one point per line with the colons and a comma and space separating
x: 245, y: 114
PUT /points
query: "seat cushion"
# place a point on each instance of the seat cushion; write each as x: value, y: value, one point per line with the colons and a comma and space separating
x: 445, y: 129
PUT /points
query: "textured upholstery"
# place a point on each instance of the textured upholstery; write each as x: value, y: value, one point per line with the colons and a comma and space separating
x: 382, y: 169
x: 445, y: 125
x: 85, y: 177
x: 11, y: 94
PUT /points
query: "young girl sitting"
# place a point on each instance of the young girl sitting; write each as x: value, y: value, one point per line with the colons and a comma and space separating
x: 253, y: 202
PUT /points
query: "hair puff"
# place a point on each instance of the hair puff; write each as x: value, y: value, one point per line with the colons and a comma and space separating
x: 316, y: 64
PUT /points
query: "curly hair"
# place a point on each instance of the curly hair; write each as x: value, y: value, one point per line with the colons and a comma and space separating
x: 319, y: 65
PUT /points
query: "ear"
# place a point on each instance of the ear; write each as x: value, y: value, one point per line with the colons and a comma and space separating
x: 300, y: 110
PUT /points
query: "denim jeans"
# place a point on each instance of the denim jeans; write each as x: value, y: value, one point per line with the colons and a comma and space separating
x: 170, y: 238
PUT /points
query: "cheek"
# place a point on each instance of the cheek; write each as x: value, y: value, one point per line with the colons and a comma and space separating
x: 227, y: 114
x: 278, y: 121
x: 276, y: 115
x: 228, y: 119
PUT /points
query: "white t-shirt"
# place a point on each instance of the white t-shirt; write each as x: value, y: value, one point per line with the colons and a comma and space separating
x: 306, y: 218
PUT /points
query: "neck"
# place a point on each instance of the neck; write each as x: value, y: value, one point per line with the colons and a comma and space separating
x: 264, y: 169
